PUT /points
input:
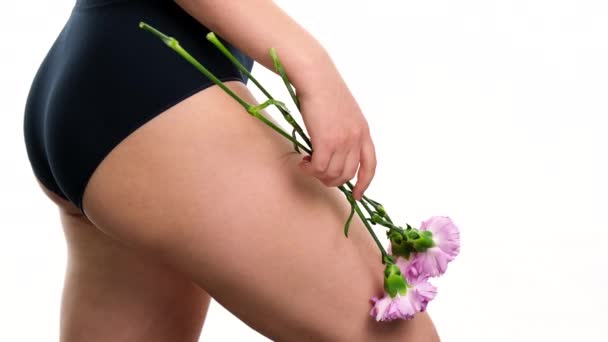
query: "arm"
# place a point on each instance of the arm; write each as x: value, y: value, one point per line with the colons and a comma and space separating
x: 338, y: 130
x: 245, y: 24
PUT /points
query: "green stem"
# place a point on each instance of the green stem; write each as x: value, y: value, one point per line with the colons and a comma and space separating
x: 371, y: 202
x: 258, y: 115
x: 375, y: 204
x: 279, y: 68
x: 254, y: 110
x: 388, y: 218
x: 293, y: 135
x: 352, y: 201
x: 215, y: 41
x: 251, y: 109
x: 367, y: 226
x: 174, y: 44
x: 369, y: 211
x: 389, y: 225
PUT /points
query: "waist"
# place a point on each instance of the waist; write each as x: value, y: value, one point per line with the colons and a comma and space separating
x: 95, y: 3
x: 100, y: 3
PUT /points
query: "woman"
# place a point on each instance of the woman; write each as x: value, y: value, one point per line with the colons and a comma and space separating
x: 169, y: 192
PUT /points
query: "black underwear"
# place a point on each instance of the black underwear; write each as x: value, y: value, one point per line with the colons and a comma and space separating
x: 104, y: 77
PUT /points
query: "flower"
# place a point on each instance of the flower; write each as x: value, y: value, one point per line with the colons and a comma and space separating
x: 403, y: 305
x: 446, y: 245
x: 426, y: 292
x: 388, y: 309
x: 409, y: 270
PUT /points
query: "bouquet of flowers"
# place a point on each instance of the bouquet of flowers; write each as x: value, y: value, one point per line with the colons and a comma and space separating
x: 413, y: 255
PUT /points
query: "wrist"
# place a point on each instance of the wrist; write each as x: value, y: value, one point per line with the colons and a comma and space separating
x: 307, y: 71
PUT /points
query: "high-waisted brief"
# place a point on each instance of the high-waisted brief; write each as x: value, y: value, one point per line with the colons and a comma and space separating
x: 104, y: 77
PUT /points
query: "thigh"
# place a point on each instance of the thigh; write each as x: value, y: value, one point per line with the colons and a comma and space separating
x: 115, y: 293
x: 218, y: 195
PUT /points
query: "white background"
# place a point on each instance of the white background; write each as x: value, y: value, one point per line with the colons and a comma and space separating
x: 490, y: 112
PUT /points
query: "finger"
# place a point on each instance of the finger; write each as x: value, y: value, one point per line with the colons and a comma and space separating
x: 367, y: 168
x: 304, y: 162
x: 319, y: 161
x: 351, y: 164
x: 332, y: 176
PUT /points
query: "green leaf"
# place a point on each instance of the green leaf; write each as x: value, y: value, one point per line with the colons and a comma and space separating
x: 293, y: 135
x: 350, y: 217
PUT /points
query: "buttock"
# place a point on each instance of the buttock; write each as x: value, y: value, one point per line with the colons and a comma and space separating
x: 104, y: 77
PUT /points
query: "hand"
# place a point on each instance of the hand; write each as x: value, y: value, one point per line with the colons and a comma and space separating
x: 339, y: 134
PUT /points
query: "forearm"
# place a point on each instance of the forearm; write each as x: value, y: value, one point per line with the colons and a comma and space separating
x: 254, y: 26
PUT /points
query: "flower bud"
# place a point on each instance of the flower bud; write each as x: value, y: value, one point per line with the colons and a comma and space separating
x: 400, y: 245
x: 395, y: 237
x: 424, y: 241
x: 412, y: 234
x: 394, y: 282
x: 376, y: 218
x: 381, y: 210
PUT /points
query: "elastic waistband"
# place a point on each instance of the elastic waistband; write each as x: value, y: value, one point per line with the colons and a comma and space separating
x: 96, y: 3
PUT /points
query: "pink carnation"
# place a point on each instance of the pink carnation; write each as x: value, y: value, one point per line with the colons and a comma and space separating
x: 409, y: 269
x: 418, y: 294
x: 434, y: 261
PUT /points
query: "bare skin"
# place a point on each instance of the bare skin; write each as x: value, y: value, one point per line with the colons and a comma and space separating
x: 338, y: 129
x: 205, y: 200
x: 115, y: 293
x: 204, y: 196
